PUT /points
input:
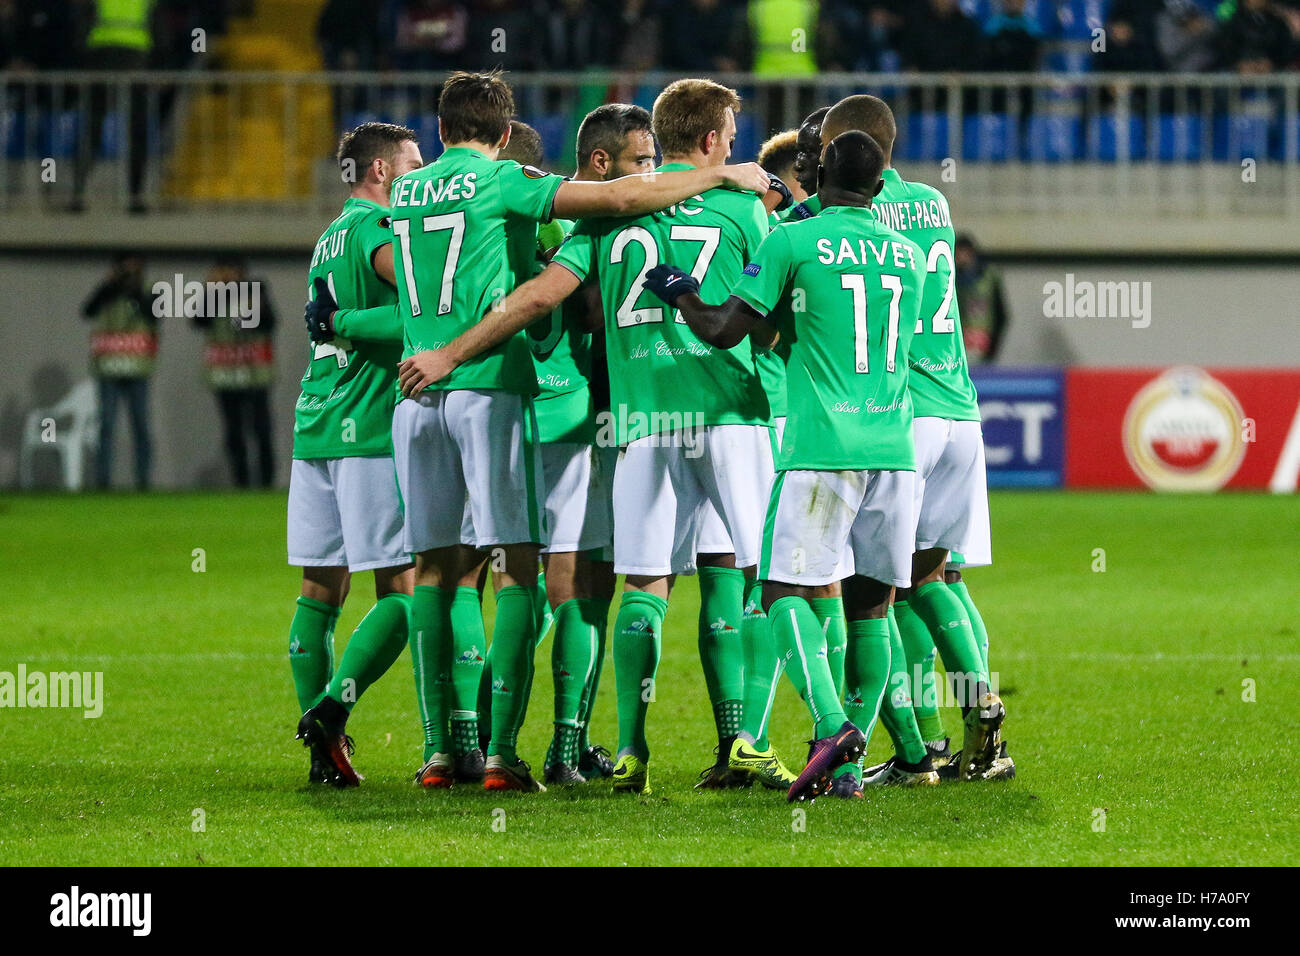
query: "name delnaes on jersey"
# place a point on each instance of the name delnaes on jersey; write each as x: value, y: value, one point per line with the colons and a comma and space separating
x: 460, y: 186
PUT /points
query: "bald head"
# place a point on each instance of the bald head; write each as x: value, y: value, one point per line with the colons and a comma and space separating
x: 851, y: 167
x: 867, y: 114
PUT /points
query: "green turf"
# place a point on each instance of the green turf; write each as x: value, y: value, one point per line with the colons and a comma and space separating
x: 1124, y: 690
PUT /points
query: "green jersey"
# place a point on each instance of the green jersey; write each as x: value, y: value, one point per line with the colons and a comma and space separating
x: 457, y: 225
x: 346, y: 406
x: 940, y: 380
x: 853, y: 288
x: 801, y: 210
x: 561, y: 344
x: 663, y: 378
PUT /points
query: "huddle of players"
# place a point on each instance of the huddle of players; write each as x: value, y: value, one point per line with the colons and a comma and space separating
x: 503, y: 439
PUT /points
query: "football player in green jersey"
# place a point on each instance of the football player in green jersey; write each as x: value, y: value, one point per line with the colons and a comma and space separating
x: 613, y: 140
x: 952, y: 500
x: 673, y: 395
x: 345, y: 514
x: 846, y: 472
x: 471, y: 434
x: 762, y: 668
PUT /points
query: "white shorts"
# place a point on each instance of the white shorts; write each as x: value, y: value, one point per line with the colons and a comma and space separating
x: 577, y: 498
x: 952, y: 499
x: 451, y: 447
x: 815, y: 517
x: 662, y: 490
x: 345, y: 512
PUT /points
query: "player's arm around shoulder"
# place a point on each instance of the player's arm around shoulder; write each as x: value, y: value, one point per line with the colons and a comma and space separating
x: 649, y: 192
x: 533, y: 299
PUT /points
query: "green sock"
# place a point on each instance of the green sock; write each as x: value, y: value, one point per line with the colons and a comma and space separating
x: 311, y: 649
x: 564, y: 746
x: 596, y: 611
x: 514, y: 640
x: 468, y: 655
x: 573, y: 655
x: 920, y: 652
x: 866, y: 666
x: 472, y: 706
x: 373, y: 647
x: 976, y: 621
x: 896, y: 706
x: 799, y: 639
x: 637, y: 634
x: 722, y: 609
x: 431, y: 642
x: 542, y: 608
x: 830, y: 611
x: 762, y: 667
x: 950, y: 628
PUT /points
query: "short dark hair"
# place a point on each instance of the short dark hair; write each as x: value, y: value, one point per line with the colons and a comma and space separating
x: 371, y: 141
x: 607, y: 127
x: 525, y: 146
x: 688, y: 110
x: 475, y: 106
x: 778, y: 154
x: 870, y: 114
x: 853, y: 162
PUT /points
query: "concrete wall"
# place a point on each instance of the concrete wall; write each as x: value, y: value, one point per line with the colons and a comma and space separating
x: 1201, y: 313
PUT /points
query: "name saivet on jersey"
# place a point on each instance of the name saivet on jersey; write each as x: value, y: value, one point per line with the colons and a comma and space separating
x: 451, y: 221
x: 346, y: 406
x: 663, y: 378
x: 940, y: 382
x: 853, y: 288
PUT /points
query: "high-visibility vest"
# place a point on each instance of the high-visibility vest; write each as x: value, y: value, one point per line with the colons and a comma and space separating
x: 783, y: 36
x: 123, y: 344
x: 237, y: 357
x: 122, y: 23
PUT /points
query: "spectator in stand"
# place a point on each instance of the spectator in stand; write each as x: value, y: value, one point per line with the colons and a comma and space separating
x: 426, y: 34
x: 123, y: 350
x: 239, y: 365
x: 638, y: 46
x: 854, y: 36
x: 503, y: 33
x: 1185, y: 37
x: 1255, y: 39
x: 702, y: 35
x: 1131, y: 48
x: 578, y: 34
x: 44, y: 36
x: 782, y: 36
x: 121, y: 40
x: 1013, y: 43
x: 348, y: 32
x: 940, y: 39
x: 983, y: 306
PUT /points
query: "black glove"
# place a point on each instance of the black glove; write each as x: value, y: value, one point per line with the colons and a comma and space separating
x: 779, y: 187
x: 319, y: 313
x: 669, y: 282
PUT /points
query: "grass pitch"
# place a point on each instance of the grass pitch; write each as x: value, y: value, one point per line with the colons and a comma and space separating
x: 1128, y: 691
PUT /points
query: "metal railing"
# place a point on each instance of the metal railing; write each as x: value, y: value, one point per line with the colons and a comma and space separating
x: 1015, y: 142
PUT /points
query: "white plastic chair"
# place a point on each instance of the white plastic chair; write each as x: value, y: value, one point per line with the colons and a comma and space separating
x: 75, y: 420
